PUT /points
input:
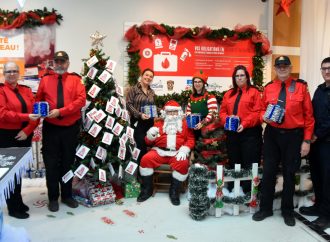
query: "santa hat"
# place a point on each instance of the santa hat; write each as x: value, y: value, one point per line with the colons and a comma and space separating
x: 172, y: 106
x: 201, y: 75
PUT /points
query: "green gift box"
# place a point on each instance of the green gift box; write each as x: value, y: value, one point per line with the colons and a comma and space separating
x: 132, y: 189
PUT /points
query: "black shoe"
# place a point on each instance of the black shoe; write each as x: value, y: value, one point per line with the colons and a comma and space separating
x: 70, y: 202
x: 146, y: 188
x: 53, y: 206
x: 289, y: 220
x: 174, y: 192
x: 309, y: 211
x: 23, y: 207
x: 19, y: 214
x: 261, y: 215
x: 322, y: 222
x: 143, y: 197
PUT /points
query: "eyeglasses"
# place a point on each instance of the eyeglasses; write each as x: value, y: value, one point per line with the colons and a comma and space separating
x: 11, y: 72
x: 242, y: 75
x: 325, y: 69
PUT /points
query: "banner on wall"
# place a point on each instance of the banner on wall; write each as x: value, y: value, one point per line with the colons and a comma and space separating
x: 175, y: 61
x: 32, y: 49
x: 12, y: 47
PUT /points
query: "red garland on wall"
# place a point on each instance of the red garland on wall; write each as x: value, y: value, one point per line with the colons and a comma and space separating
x: 226, y: 36
x: 15, y: 19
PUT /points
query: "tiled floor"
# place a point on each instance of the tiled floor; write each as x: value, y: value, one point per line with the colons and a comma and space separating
x: 154, y: 220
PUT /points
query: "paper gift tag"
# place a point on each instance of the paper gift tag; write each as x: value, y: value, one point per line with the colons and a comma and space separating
x: 91, y: 113
x: 110, y: 122
x: 118, y: 111
x: 87, y: 124
x: 92, y: 73
x: 131, y: 167
x: 110, y: 109
x: 120, y: 172
x: 117, y: 129
x: 67, y: 176
x: 86, y: 105
x: 95, y: 130
x: 107, y: 138
x: 99, y: 116
x: 92, y: 61
x: 111, y: 65
x: 81, y: 171
x: 114, y: 102
x: 82, y: 151
x: 101, y: 153
x: 105, y: 76
x: 119, y: 90
x: 123, y: 102
x: 92, y: 163
x: 124, y: 137
x: 102, y: 175
x: 130, y: 132
x: 112, y: 171
x: 121, y: 153
x: 125, y: 115
x: 135, y: 153
x: 94, y: 91
x: 122, y: 143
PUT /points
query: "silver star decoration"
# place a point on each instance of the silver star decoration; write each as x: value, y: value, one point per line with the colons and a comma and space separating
x: 97, y: 39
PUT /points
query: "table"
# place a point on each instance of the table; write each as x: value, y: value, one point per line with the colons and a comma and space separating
x: 13, y: 161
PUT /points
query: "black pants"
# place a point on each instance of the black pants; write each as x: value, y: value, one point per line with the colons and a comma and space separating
x: 7, y: 139
x: 59, y: 145
x: 283, y: 146
x: 140, y: 133
x: 320, y: 173
x: 244, y: 148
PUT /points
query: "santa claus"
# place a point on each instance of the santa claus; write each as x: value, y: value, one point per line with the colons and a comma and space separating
x: 171, y: 142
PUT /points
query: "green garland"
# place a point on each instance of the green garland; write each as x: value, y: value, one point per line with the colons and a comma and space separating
x: 238, y: 174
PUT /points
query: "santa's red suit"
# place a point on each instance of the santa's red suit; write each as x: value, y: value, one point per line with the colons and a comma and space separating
x: 166, y: 149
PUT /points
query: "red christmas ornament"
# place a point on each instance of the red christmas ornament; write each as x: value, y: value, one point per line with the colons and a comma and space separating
x: 284, y: 6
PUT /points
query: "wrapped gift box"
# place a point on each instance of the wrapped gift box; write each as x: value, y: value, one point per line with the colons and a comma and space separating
x: 232, y: 123
x: 91, y: 192
x: 41, y: 108
x: 193, y: 119
x: 150, y: 110
x: 132, y: 189
x: 274, y: 113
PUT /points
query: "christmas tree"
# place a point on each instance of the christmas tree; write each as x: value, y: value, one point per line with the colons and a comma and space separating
x: 210, y: 148
x: 106, y: 143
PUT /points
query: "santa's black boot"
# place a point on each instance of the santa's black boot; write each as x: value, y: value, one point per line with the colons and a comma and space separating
x: 175, y: 191
x: 146, y: 188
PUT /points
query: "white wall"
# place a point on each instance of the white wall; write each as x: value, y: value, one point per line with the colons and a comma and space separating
x: 82, y: 18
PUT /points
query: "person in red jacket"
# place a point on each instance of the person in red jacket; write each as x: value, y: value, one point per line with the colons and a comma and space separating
x: 243, y: 101
x: 171, y: 142
x: 16, y: 127
x: 66, y: 95
x: 286, y: 139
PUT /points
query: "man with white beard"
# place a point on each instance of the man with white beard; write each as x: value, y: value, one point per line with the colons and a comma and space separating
x: 171, y: 142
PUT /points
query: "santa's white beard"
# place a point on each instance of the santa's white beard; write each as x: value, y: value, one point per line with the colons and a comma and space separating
x: 172, y: 125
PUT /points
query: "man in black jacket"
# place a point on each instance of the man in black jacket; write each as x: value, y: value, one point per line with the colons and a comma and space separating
x: 320, y: 152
